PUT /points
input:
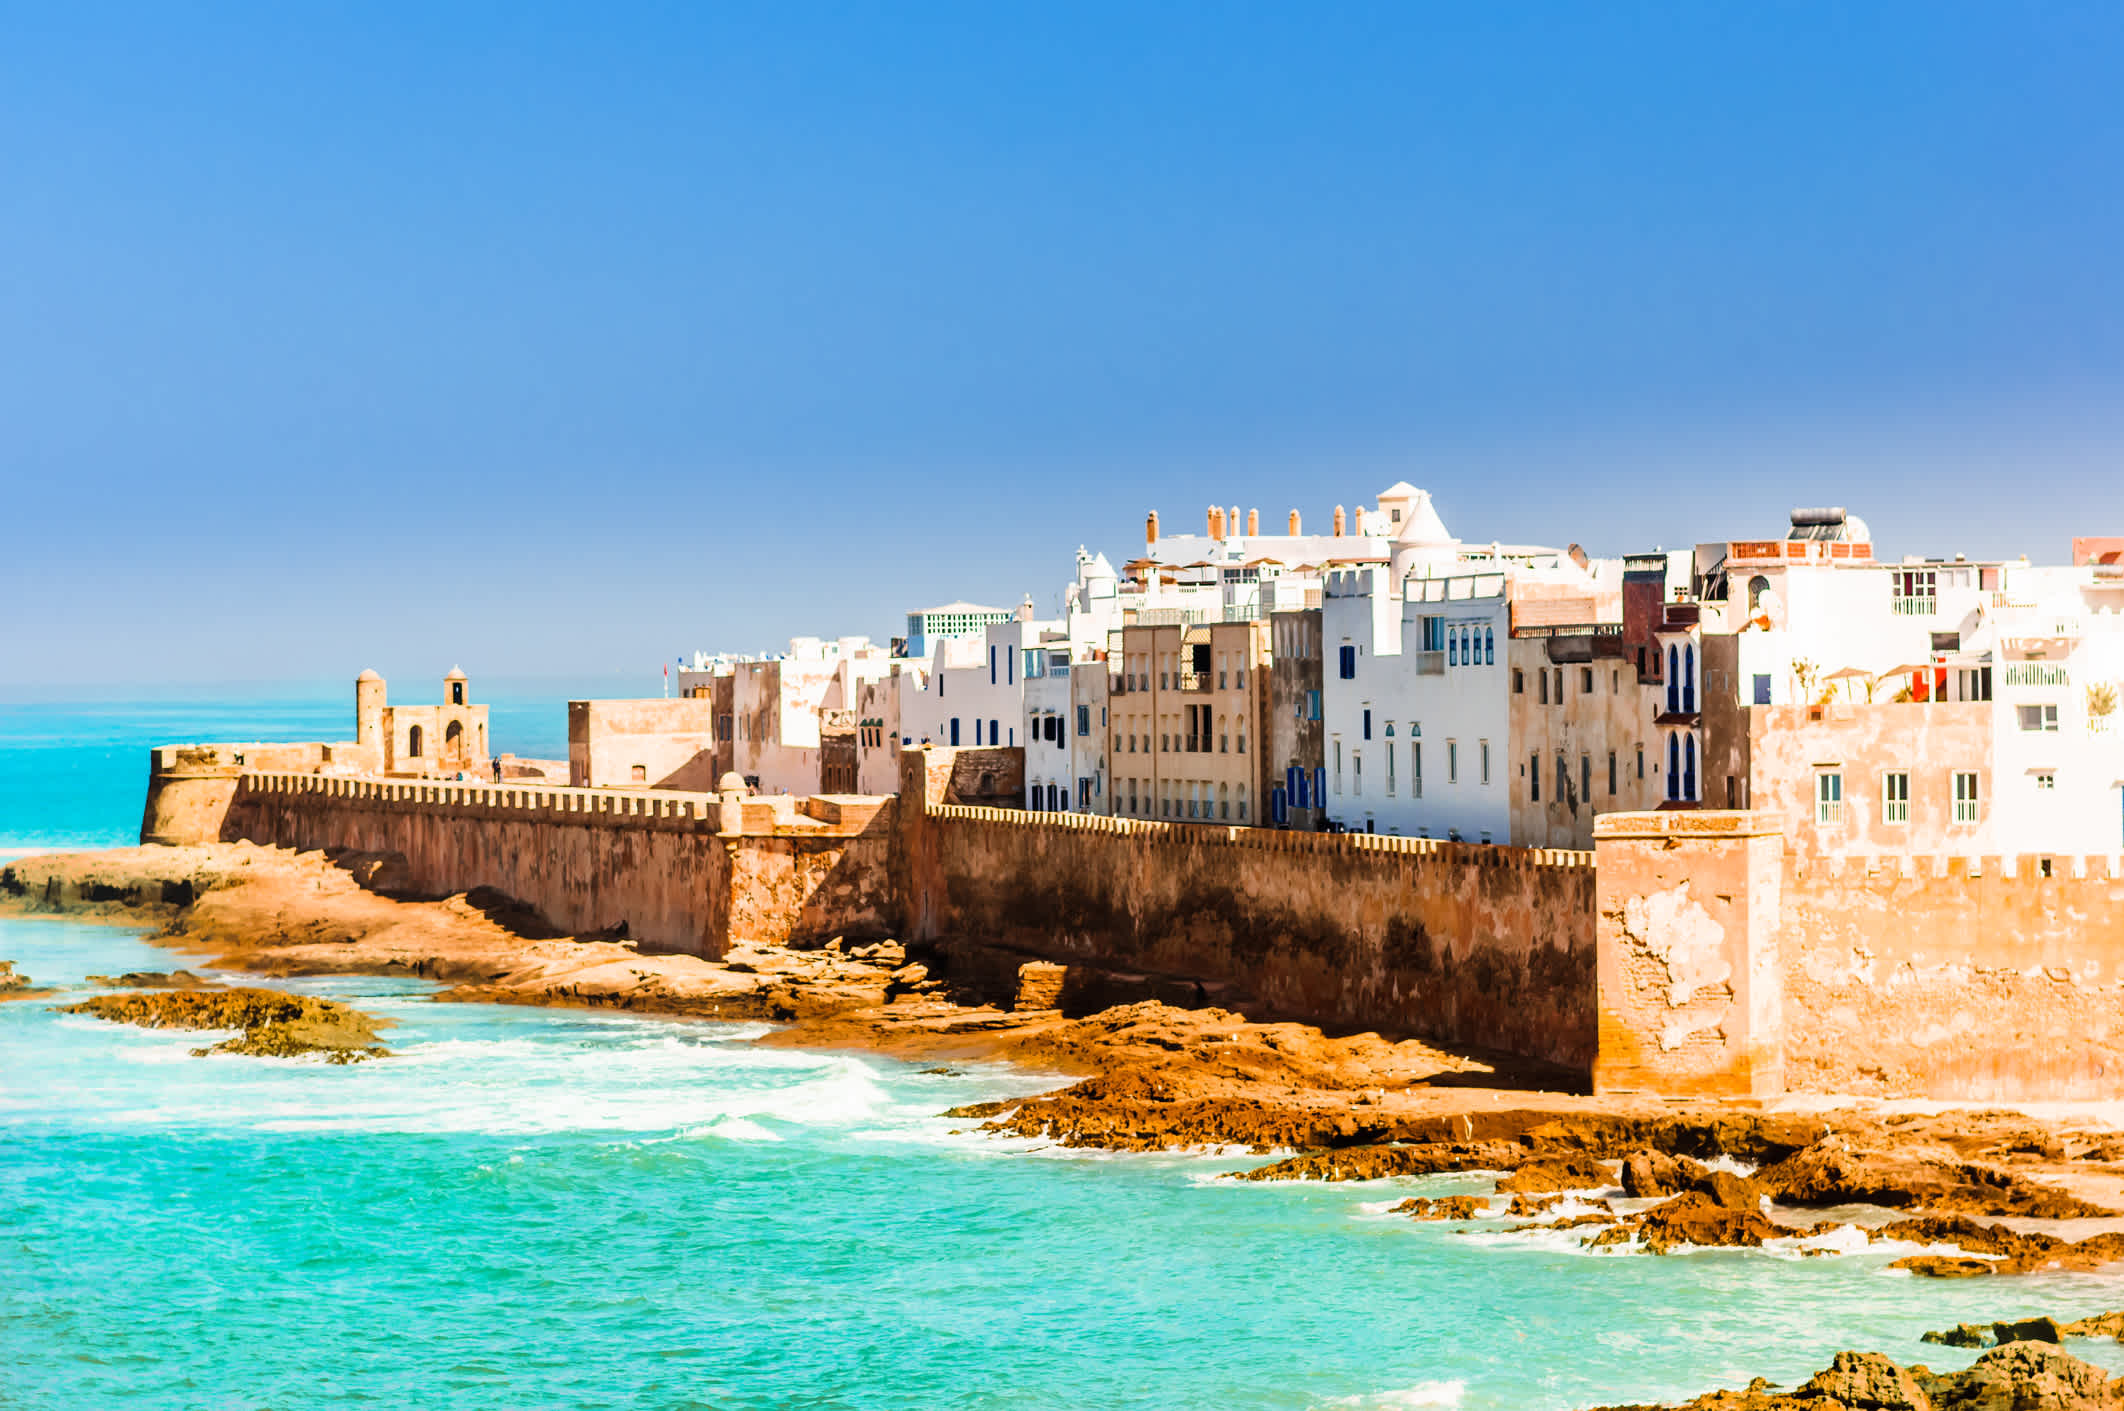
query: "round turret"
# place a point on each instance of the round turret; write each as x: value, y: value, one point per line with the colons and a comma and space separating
x: 369, y: 701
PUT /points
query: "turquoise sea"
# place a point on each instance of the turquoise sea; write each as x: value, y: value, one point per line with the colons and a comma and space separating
x: 531, y: 1208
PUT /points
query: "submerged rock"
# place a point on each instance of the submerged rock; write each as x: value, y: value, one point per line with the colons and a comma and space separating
x: 153, y: 980
x: 275, y: 1024
x: 1996, y: 1334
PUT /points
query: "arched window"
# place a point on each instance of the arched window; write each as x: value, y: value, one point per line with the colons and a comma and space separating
x: 1673, y: 680
x: 1689, y: 767
x: 413, y: 743
x: 1673, y: 766
x: 1452, y: 649
x: 1757, y: 586
x: 1467, y: 645
x: 1489, y: 646
x: 453, y: 740
x: 1689, y: 678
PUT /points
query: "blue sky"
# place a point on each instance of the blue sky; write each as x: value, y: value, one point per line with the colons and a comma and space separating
x: 562, y: 340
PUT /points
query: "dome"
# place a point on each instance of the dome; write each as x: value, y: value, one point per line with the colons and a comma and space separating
x: 1856, y: 531
x: 457, y: 673
x: 732, y: 782
x: 367, y: 676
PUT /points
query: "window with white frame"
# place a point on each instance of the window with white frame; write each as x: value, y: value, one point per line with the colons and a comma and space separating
x: 2046, y: 779
x: 1965, y: 797
x: 1452, y: 761
x: 1895, y: 796
x: 1828, y: 796
x: 2037, y: 717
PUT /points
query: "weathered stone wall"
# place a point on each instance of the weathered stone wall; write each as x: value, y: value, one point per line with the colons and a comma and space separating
x: 658, y: 864
x: 1975, y: 978
x: 1690, y: 986
x: 1489, y: 947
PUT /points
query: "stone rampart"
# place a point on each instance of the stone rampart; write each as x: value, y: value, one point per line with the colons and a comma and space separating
x: 1483, y: 946
x: 1988, y: 979
x: 660, y: 864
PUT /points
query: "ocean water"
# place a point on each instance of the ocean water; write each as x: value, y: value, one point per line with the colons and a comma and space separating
x: 546, y: 1208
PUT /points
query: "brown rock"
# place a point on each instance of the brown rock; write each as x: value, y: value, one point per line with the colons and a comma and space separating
x: 1867, y: 1381
x: 1731, y: 1191
x: 1563, y: 1172
x: 1695, y: 1218
x: 1998, y: 1334
x: 1834, y: 1172
x: 2099, y: 1325
x: 2019, y: 1252
x: 2022, y: 1376
x: 1652, y: 1173
x: 275, y: 1024
x: 1370, y: 1163
x: 1451, y: 1207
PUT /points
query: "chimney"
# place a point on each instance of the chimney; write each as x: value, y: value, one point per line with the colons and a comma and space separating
x: 1234, y: 520
x: 1216, y: 522
x: 1253, y: 523
x: 1340, y: 522
x: 1294, y: 522
x: 1150, y: 529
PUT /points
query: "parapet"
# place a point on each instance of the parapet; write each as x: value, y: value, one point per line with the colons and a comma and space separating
x: 1687, y: 823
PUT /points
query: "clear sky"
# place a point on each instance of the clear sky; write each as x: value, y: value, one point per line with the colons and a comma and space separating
x: 566, y: 340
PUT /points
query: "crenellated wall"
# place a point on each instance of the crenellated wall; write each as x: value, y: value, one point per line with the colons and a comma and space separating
x: 1489, y: 947
x: 661, y: 864
x: 1696, y: 958
x: 1974, y: 978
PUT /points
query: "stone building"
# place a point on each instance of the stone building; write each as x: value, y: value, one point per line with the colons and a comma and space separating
x: 1186, y: 704
x: 436, y: 741
x: 643, y: 744
x: 1297, y: 746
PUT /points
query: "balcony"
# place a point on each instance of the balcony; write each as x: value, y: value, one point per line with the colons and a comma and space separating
x: 1921, y: 605
x: 2034, y: 673
x: 1198, y: 680
x: 1430, y: 663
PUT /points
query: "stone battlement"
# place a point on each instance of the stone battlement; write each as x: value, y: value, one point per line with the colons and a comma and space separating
x: 1270, y: 839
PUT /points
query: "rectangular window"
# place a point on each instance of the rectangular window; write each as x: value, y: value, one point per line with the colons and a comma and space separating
x: 1585, y: 682
x: 991, y: 666
x: 1534, y: 777
x: 1640, y: 763
x: 1083, y: 724
x: 1762, y: 688
x: 1452, y: 761
x: 1338, y: 766
x: 1416, y: 770
x: 1611, y: 774
x: 1390, y: 768
x: 1485, y: 761
x: 1895, y: 797
x: 1585, y: 777
x: 2037, y: 717
x: 1347, y: 663
x: 1544, y: 686
x: 1357, y: 773
x: 1519, y: 682
x: 1965, y: 798
x: 1312, y: 705
x: 1828, y: 797
x: 2046, y: 780
x: 1368, y: 723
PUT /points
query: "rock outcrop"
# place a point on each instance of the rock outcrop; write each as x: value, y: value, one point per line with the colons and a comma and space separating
x: 275, y: 1024
x: 2020, y: 1376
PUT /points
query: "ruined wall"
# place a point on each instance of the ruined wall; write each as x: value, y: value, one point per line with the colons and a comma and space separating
x: 1976, y: 978
x: 1489, y: 947
x: 657, y: 863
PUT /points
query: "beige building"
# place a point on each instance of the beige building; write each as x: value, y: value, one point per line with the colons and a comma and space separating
x: 643, y: 744
x: 1185, y: 709
x: 427, y: 741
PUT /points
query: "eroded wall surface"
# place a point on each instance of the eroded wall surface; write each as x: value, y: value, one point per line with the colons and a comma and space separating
x: 1488, y: 947
x: 1974, y: 978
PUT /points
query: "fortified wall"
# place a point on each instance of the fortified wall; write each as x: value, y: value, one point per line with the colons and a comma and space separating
x: 1690, y: 954
x: 1481, y: 946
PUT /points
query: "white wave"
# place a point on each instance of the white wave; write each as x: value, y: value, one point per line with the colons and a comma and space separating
x: 1421, y: 1394
x: 731, y: 1129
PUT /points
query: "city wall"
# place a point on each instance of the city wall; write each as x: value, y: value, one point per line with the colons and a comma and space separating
x: 1700, y: 956
x: 662, y: 867
x: 1486, y: 947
